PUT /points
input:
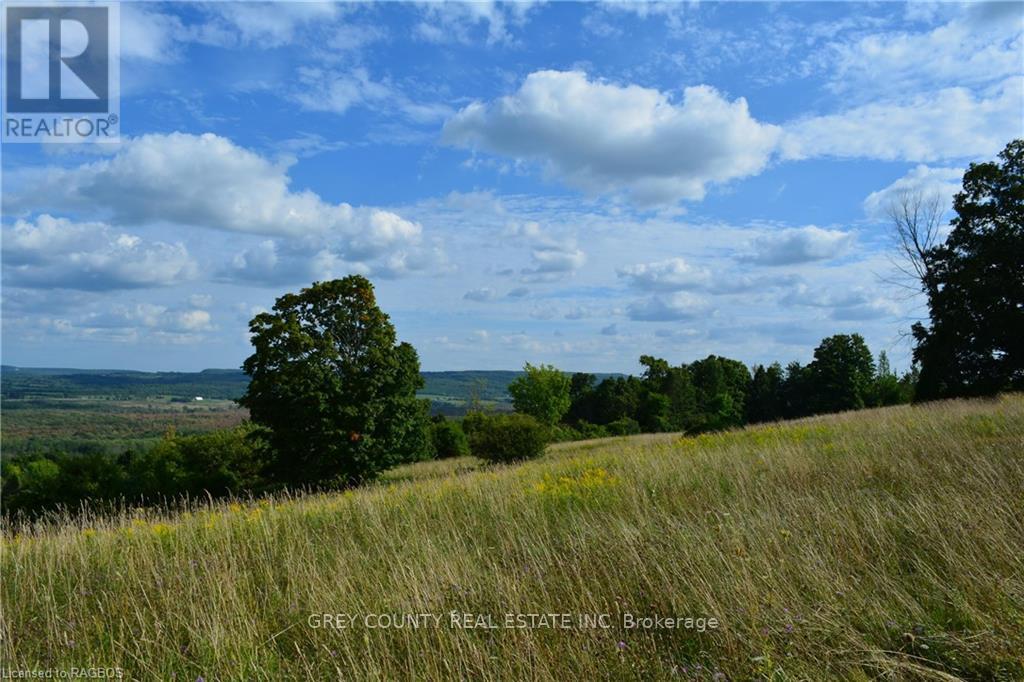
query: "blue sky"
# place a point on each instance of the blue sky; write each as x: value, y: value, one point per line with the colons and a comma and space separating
x: 572, y: 183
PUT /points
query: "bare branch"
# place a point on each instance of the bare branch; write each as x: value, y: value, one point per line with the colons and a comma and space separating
x: 916, y: 219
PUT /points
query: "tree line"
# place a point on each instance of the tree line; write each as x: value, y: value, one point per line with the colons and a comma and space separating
x: 710, y: 394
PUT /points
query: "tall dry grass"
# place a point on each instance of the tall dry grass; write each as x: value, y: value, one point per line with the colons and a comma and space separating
x: 877, y: 545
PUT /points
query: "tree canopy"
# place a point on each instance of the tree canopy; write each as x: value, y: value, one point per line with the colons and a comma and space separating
x: 975, y: 286
x: 542, y: 392
x: 333, y: 394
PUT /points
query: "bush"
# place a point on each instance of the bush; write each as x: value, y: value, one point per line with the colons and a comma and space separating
x: 448, y: 439
x: 625, y: 426
x: 218, y: 463
x: 588, y: 430
x: 473, y: 422
x: 508, y: 438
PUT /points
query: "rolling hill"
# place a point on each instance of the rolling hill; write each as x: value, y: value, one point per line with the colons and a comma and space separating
x: 881, y: 544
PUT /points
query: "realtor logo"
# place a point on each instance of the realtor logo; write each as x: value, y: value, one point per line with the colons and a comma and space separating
x: 61, y: 73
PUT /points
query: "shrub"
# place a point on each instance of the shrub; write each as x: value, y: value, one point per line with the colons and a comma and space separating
x: 474, y: 421
x: 508, y: 438
x: 625, y: 426
x: 588, y: 430
x: 448, y: 439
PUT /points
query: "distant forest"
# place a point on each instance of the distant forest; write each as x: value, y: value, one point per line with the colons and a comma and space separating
x: 449, y: 392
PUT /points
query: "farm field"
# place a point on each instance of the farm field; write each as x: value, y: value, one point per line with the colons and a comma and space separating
x: 78, y: 424
x: 77, y: 410
x: 882, y: 544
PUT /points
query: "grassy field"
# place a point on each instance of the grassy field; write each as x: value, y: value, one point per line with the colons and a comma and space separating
x: 884, y: 544
x: 78, y: 423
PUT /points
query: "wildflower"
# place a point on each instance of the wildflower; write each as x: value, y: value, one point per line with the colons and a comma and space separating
x: 622, y: 645
x: 161, y: 529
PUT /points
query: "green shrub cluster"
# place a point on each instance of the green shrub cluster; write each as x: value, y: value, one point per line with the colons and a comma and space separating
x: 217, y: 464
x: 447, y: 439
x: 506, y: 437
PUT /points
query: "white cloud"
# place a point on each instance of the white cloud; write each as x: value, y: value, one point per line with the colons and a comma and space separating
x: 925, y: 180
x: 207, y: 181
x: 980, y: 46
x: 263, y: 24
x: 149, y: 35
x: 131, y: 323
x: 681, y: 305
x: 152, y: 35
x: 448, y: 22
x: 325, y: 89
x: 667, y: 275
x: 482, y: 295
x: 57, y: 253
x: 552, y: 258
x: 855, y: 303
x: 798, y: 245
x: 602, y: 137
x: 337, y: 92
x: 952, y: 123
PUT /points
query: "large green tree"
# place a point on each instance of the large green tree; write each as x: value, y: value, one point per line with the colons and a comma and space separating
x: 975, y: 286
x: 721, y: 391
x: 543, y: 392
x: 333, y: 394
x: 842, y: 374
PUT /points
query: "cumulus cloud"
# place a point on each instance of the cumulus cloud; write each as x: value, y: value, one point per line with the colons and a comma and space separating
x: 798, y: 245
x: 856, y: 303
x: 924, y: 180
x: 603, y: 137
x: 681, y: 305
x: 131, y: 323
x: 951, y: 123
x: 552, y: 258
x: 208, y: 181
x: 672, y: 274
x: 278, y: 262
x: 60, y: 254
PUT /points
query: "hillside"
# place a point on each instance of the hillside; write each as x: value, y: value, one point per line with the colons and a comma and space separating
x: 879, y: 544
x: 22, y: 383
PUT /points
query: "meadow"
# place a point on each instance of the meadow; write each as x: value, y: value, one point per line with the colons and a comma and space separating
x: 881, y: 544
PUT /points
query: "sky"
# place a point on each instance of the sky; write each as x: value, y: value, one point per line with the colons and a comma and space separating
x: 567, y: 183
